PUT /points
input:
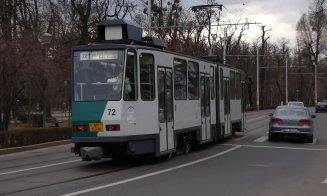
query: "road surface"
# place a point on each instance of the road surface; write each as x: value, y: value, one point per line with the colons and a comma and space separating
x: 247, y: 164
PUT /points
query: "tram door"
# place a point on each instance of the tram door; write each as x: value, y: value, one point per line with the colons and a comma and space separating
x: 205, y: 106
x: 227, y: 117
x: 165, y: 93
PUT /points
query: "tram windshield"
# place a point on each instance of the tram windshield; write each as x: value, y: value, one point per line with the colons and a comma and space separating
x: 98, y: 75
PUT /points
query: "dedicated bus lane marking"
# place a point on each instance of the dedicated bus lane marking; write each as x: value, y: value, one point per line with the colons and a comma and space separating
x: 151, y: 174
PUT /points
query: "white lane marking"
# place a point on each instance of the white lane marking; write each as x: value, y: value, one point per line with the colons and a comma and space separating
x: 33, y: 168
x: 324, y: 181
x: 314, y: 141
x: 254, y: 119
x: 260, y: 165
x: 261, y: 139
x: 277, y: 147
x: 151, y: 174
x: 241, y: 138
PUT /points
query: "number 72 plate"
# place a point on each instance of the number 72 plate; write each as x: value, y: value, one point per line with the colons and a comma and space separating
x: 96, y: 127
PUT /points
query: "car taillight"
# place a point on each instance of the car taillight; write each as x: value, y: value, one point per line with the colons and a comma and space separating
x: 113, y: 127
x: 80, y: 128
x: 276, y: 120
x: 304, y: 122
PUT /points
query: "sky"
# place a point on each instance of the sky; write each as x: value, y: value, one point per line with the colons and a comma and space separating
x: 281, y: 16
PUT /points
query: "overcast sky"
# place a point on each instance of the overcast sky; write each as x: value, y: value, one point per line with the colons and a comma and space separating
x: 280, y: 15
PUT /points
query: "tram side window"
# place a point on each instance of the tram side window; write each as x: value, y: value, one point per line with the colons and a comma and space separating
x: 212, y: 82
x: 130, y: 85
x: 180, y: 79
x: 232, y: 85
x: 147, y: 77
x: 221, y: 84
x: 193, y: 80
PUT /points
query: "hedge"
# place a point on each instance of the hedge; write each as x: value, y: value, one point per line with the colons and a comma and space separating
x: 25, y: 137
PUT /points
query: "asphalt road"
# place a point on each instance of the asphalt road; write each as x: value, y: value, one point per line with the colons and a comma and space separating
x: 247, y: 164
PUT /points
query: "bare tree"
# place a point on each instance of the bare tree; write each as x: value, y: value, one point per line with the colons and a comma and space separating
x: 13, y: 53
x: 311, y: 31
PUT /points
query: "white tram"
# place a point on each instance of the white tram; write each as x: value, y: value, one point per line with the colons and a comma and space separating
x: 131, y: 97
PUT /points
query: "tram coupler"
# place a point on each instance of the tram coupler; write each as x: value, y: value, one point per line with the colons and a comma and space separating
x: 91, y: 153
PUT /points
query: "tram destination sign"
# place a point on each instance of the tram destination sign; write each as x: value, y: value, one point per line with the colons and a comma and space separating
x: 99, y: 55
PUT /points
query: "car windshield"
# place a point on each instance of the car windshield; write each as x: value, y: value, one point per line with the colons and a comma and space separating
x: 322, y: 103
x: 98, y: 75
x: 291, y: 112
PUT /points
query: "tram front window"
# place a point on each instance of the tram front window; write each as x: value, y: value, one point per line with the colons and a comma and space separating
x: 98, y: 75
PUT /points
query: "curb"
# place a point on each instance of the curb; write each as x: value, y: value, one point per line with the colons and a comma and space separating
x: 34, y: 147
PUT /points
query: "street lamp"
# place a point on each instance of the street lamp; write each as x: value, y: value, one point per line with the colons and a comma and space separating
x: 46, y: 39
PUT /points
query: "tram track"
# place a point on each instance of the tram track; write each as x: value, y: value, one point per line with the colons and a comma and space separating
x: 97, y: 169
x: 116, y: 173
x: 63, y: 182
x: 108, y: 167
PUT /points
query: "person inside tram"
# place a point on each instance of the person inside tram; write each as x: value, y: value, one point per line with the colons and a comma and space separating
x: 128, y: 94
x: 114, y: 73
x: 113, y: 76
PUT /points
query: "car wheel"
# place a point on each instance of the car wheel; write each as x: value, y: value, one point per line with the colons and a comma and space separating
x: 271, y: 138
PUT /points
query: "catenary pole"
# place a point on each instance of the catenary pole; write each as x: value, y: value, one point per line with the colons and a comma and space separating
x: 149, y: 17
x: 286, y: 81
x: 258, y: 101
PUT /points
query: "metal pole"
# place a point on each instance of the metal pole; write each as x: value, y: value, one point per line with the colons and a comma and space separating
x: 149, y: 16
x: 286, y: 82
x: 209, y: 37
x: 316, y: 89
x: 45, y: 95
x: 224, y: 47
x: 258, y: 101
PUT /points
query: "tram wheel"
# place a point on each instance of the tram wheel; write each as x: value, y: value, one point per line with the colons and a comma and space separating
x: 187, y: 144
